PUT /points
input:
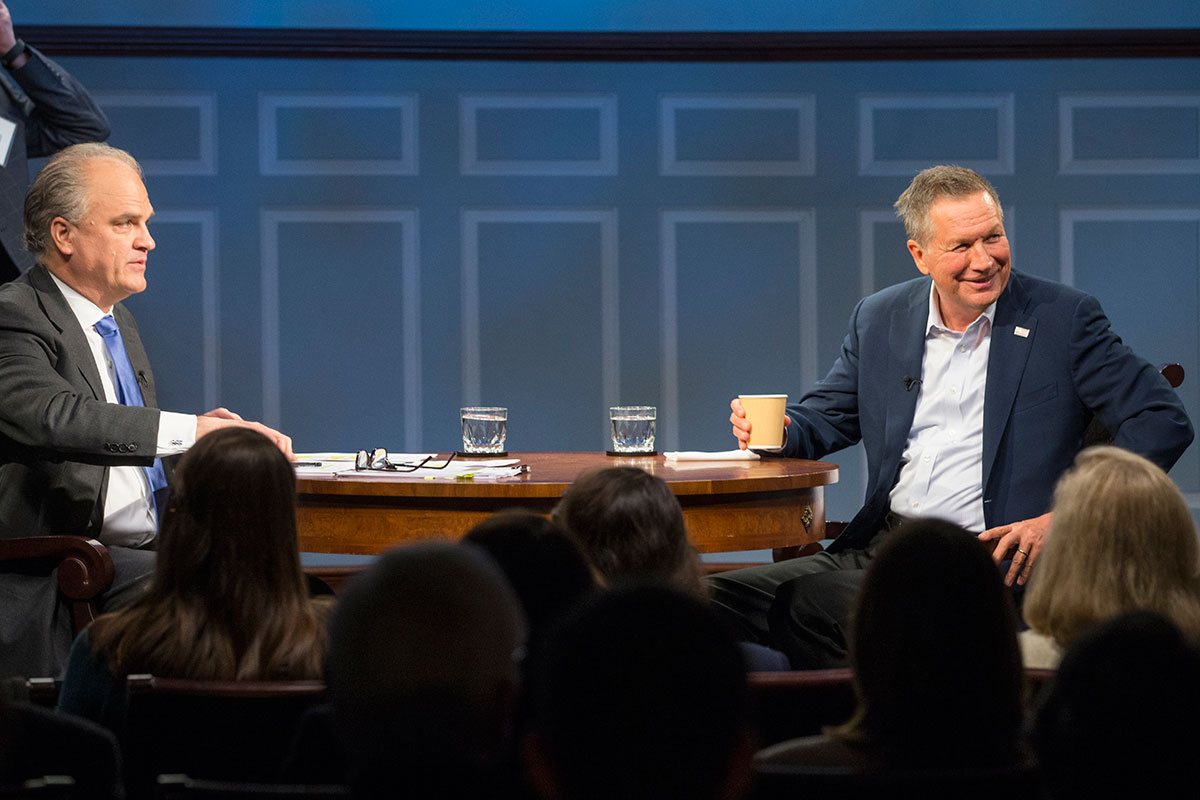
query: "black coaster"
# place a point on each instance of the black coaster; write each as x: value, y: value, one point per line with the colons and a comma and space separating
x: 631, y: 455
x: 481, y: 456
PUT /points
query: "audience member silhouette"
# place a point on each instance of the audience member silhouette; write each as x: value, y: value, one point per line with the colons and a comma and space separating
x: 1120, y: 718
x: 545, y: 567
x: 937, y: 670
x: 227, y: 600
x: 423, y: 674
x: 630, y: 526
x: 1122, y: 539
x: 640, y: 695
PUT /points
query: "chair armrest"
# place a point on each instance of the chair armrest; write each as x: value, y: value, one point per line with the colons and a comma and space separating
x: 85, y: 569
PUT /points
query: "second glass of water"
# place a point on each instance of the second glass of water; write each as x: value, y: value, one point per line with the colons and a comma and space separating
x: 484, y: 429
x: 633, y: 429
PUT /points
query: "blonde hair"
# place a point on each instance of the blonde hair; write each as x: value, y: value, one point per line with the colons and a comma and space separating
x: 1122, y: 539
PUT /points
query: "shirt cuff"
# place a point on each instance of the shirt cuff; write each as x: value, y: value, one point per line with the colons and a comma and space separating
x: 176, y: 432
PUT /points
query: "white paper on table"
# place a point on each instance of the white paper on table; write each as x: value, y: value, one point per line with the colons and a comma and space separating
x: 721, y: 455
x: 453, y: 471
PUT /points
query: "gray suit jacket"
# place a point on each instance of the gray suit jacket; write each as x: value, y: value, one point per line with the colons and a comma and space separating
x: 58, y: 436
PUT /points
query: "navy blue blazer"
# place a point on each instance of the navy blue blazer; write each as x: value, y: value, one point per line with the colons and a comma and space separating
x: 1054, y: 363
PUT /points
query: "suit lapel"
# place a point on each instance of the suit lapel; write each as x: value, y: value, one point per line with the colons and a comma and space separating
x: 56, y: 309
x: 1012, y: 338
x: 906, y: 349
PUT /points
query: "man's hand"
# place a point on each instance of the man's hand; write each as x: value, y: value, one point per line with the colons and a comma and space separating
x: 7, y: 37
x: 224, y: 418
x: 741, y: 425
x: 1020, y: 541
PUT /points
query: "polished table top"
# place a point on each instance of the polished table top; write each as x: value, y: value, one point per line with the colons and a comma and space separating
x: 727, y: 505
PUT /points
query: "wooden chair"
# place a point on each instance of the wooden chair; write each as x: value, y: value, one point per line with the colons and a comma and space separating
x: 775, y: 782
x: 785, y: 705
x: 181, y: 787
x: 218, y: 730
x: 85, y: 570
x: 49, y: 787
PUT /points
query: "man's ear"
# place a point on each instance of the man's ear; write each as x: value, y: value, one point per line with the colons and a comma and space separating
x: 918, y: 255
x: 61, y: 232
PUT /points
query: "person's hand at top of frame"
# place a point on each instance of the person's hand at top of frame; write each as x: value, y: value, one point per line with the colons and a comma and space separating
x: 8, y: 38
x: 224, y: 418
x: 741, y: 425
x: 1022, y: 542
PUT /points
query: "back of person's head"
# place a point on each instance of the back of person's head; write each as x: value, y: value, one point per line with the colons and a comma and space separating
x: 227, y: 599
x: 641, y: 693
x: 423, y: 666
x: 1119, y: 719
x: 545, y: 567
x: 630, y: 525
x: 933, y: 646
x: 1122, y: 538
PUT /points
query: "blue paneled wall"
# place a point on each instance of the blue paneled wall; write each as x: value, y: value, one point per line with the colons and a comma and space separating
x: 352, y: 250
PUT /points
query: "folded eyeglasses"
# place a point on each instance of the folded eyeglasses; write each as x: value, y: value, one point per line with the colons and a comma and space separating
x: 377, y: 459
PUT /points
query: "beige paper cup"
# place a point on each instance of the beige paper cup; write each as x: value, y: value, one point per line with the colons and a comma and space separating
x: 765, y: 413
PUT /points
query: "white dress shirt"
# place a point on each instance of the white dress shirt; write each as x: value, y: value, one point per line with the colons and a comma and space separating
x: 129, y: 516
x: 941, y: 469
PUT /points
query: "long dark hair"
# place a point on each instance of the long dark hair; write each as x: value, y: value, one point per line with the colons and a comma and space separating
x: 228, y: 599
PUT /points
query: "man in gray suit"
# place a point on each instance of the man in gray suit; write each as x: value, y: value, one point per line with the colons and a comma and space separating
x: 80, y: 436
x: 42, y: 109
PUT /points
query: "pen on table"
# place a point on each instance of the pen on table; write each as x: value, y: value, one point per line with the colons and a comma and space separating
x: 306, y: 463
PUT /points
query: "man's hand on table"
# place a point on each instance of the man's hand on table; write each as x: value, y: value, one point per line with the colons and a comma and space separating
x: 224, y: 418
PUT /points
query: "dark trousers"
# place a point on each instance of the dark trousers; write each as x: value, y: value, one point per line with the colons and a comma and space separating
x: 800, y: 606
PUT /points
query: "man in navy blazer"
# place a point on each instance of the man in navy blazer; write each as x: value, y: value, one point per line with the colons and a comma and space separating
x: 970, y: 389
x: 71, y: 455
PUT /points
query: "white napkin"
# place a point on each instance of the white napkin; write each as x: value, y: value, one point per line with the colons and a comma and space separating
x: 724, y: 455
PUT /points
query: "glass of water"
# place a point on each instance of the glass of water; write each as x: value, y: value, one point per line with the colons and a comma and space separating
x: 484, y: 429
x: 633, y: 429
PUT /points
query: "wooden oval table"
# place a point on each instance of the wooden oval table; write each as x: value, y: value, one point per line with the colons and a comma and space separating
x: 728, y: 505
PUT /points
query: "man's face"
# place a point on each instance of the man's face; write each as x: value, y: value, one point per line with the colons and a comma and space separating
x: 105, y: 254
x: 967, y: 256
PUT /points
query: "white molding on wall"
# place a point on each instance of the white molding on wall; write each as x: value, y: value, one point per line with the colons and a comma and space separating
x: 471, y: 164
x: 1004, y: 162
x: 270, y: 163
x: 610, y: 316
x: 1070, y: 165
x: 1068, y: 217
x: 806, y: 265
x: 410, y: 303
x: 804, y: 105
x: 205, y: 104
x: 210, y: 308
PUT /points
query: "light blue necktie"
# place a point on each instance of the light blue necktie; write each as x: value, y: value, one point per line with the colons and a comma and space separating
x: 130, y: 394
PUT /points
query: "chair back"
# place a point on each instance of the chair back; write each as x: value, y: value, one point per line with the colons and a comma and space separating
x: 777, y: 782
x: 785, y: 705
x: 181, y: 787
x: 220, y: 730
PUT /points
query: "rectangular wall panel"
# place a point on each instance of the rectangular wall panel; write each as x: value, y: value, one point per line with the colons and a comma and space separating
x: 903, y: 134
x: 338, y: 134
x: 342, y: 348
x: 169, y: 133
x: 1113, y: 134
x: 538, y: 135
x: 746, y: 135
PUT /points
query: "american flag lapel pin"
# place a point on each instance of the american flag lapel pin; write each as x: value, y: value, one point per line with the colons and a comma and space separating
x: 1022, y: 332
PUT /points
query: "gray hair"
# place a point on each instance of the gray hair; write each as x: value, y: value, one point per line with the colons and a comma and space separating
x: 59, y: 190
x: 933, y: 184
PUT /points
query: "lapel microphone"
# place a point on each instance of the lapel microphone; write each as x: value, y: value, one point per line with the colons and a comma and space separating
x: 909, y: 383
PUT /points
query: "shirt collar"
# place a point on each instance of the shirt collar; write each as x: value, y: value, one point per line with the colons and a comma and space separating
x: 934, y: 322
x: 87, y: 312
